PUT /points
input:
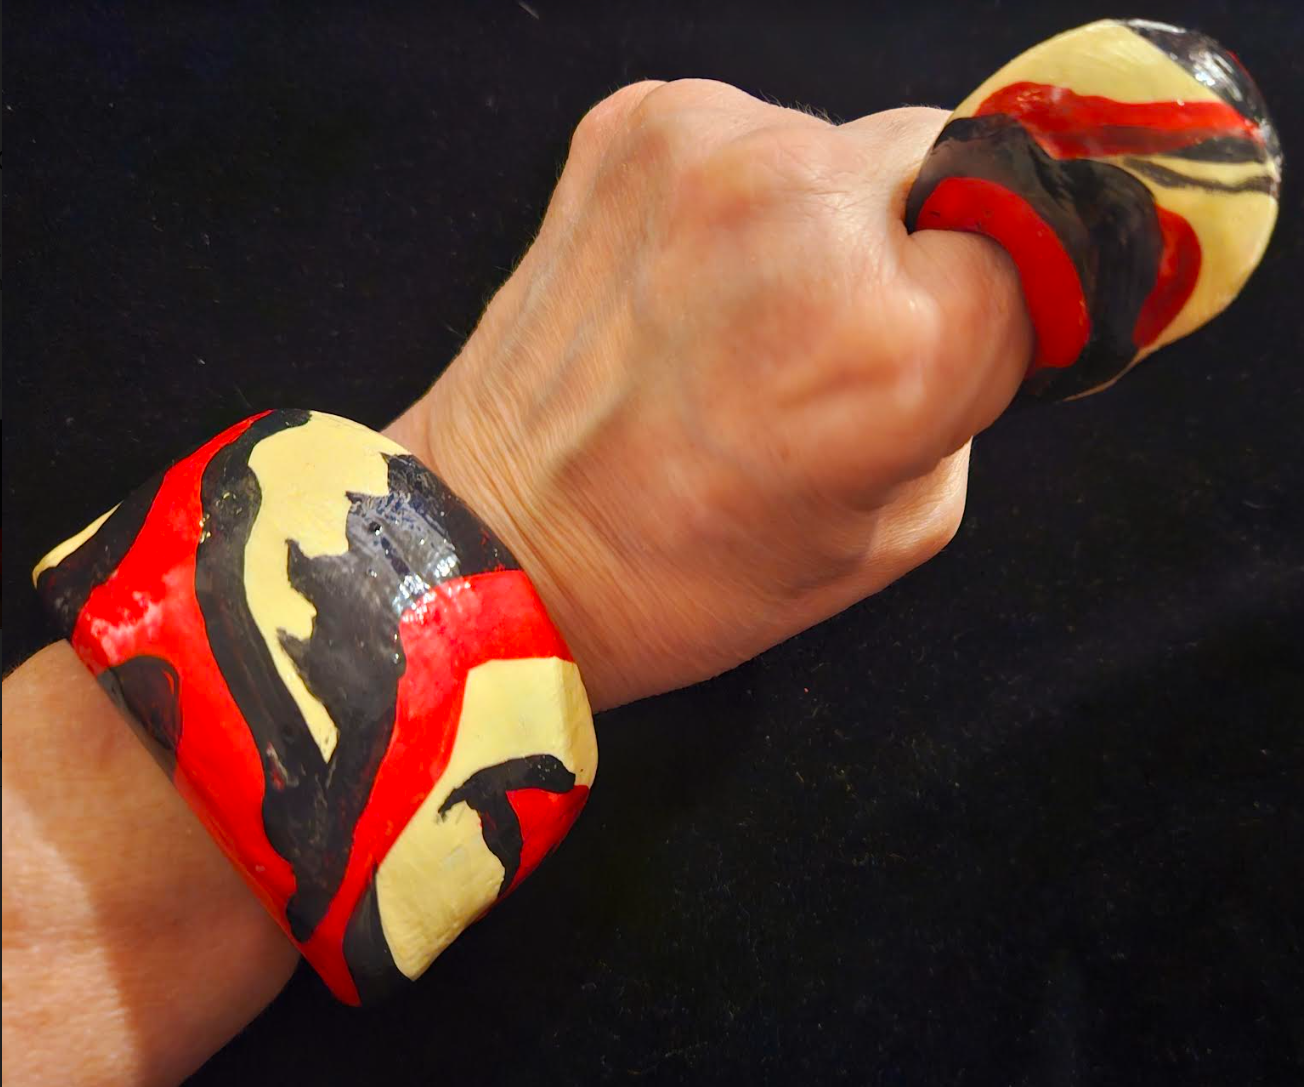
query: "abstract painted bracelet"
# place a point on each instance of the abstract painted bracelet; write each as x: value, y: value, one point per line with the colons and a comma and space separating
x: 345, y: 674
x: 1131, y: 172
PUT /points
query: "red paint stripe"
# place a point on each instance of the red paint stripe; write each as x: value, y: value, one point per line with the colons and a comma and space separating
x: 1051, y: 287
x: 456, y: 626
x: 1069, y: 125
x: 1179, y: 268
x: 545, y: 818
x: 148, y: 606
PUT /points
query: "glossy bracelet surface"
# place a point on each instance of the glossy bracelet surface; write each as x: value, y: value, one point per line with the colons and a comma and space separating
x: 347, y: 677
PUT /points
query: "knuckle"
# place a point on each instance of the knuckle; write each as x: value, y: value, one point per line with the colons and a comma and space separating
x: 661, y: 131
x: 679, y: 95
x: 765, y: 174
x: 708, y: 194
x: 687, y: 121
x: 603, y: 120
x: 780, y: 159
x: 910, y: 125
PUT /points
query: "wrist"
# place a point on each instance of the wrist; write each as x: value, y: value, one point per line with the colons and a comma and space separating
x: 480, y: 463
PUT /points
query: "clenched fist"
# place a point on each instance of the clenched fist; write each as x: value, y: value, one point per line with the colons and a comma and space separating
x: 725, y: 395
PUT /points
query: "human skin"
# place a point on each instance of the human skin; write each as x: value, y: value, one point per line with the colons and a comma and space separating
x: 723, y: 397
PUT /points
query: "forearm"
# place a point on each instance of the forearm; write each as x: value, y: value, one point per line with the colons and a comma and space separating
x: 97, y: 988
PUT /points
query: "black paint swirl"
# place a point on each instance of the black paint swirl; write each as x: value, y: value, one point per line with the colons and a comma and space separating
x: 65, y: 588
x: 486, y: 792
x: 399, y: 544
x: 147, y: 692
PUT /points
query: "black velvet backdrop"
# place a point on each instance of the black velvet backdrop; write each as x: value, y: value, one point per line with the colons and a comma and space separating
x: 1031, y: 816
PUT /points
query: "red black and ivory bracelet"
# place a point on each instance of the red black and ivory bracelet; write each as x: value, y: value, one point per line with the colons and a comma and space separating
x: 354, y: 685
x: 346, y: 675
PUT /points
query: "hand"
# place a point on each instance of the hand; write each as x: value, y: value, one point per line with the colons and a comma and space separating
x: 725, y: 395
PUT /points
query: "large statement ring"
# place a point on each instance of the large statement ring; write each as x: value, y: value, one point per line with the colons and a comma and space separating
x: 346, y: 675
x: 1130, y: 170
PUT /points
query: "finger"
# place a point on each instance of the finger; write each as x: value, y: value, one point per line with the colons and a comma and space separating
x: 891, y: 146
x: 974, y: 339
x: 981, y: 340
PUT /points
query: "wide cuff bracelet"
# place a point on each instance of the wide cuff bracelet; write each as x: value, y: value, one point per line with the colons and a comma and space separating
x: 348, y: 678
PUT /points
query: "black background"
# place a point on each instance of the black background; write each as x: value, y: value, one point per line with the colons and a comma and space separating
x: 1031, y: 816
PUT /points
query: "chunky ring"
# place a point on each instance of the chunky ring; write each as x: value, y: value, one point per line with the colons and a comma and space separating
x: 1131, y: 172
x: 346, y: 675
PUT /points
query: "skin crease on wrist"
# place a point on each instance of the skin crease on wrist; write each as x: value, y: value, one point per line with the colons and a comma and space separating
x: 723, y: 397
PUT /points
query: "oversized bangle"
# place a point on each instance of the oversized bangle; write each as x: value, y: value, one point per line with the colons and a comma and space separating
x: 346, y: 675
x: 1130, y: 170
